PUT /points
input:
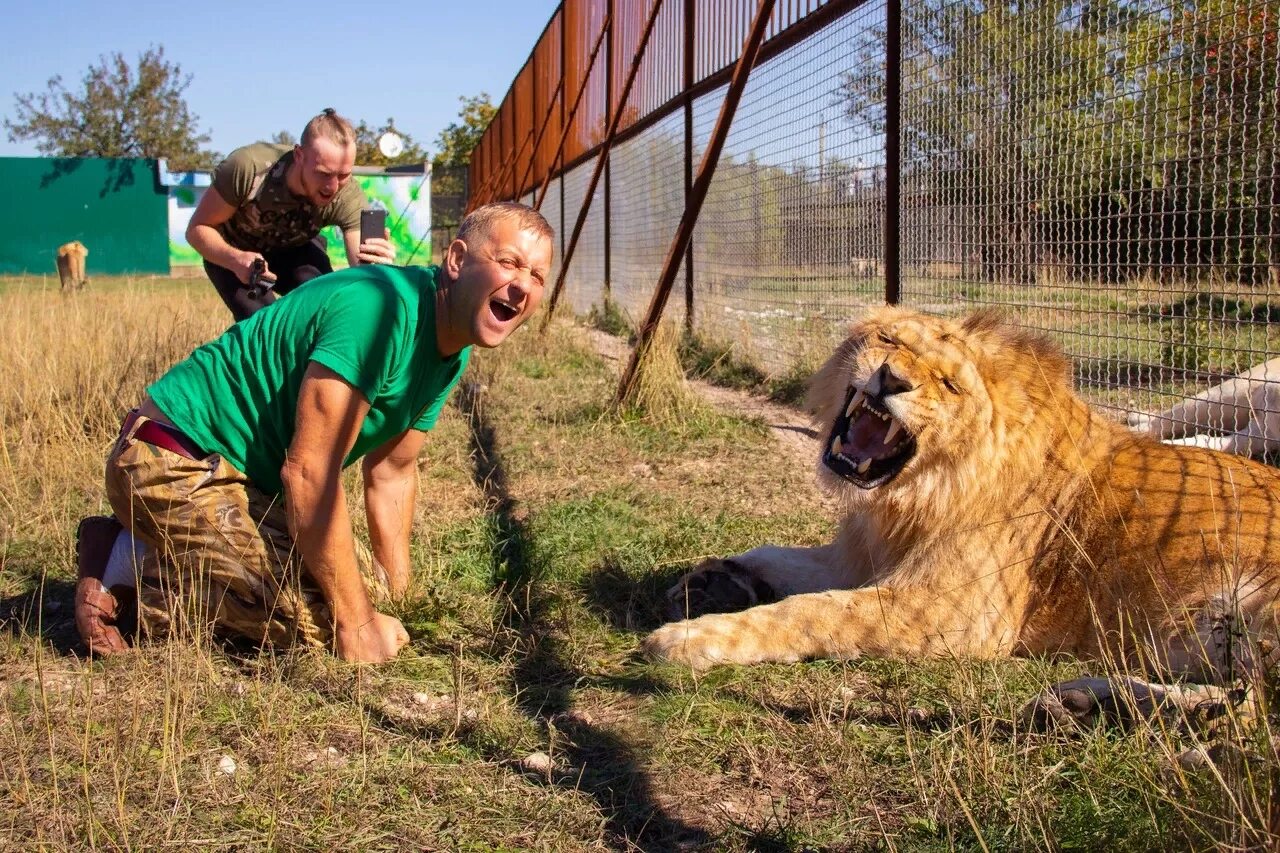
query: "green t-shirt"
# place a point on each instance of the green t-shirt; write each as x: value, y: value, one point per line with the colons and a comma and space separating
x: 374, y: 325
x: 268, y: 215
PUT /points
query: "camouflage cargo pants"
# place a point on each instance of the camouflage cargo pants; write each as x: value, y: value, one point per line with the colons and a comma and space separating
x: 219, y: 554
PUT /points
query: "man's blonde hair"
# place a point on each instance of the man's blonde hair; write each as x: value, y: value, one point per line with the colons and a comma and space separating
x: 479, y: 222
x: 331, y: 126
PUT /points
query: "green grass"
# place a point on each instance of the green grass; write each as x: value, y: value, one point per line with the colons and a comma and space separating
x: 539, y: 564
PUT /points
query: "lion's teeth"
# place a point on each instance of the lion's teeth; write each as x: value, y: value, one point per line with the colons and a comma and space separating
x: 835, y: 445
x: 865, y: 466
x: 854, y: 403
x: 894, y: 426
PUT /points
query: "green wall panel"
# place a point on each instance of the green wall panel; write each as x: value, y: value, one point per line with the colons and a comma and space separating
x: 114, y: 207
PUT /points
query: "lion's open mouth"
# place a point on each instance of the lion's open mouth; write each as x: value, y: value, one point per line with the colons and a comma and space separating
x: 867, y: 446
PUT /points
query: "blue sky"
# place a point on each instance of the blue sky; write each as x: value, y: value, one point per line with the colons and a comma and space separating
x: 262, y: 67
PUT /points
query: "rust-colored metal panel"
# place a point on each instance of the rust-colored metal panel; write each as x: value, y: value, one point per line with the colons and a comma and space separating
x: 582, y: 22
x: 525, y: 126
x: 549, y: 94
x: 560, y: 66
x: 659, y: 78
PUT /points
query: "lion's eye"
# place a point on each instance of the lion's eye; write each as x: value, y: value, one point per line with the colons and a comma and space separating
x: 950, y: 385
x: 884, y: 339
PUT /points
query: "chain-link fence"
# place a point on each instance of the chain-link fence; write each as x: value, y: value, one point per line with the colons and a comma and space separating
x: 1105, y: 171
x: 450, y: 188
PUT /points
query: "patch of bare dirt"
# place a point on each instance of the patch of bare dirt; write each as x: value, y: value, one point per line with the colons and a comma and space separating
x: 789, y: 427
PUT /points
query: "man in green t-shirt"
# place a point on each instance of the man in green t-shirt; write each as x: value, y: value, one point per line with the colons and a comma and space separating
x: 268, y: 203
x: 226, y: 481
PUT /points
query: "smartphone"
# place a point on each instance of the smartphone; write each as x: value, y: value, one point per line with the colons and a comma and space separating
x: 373, y: 223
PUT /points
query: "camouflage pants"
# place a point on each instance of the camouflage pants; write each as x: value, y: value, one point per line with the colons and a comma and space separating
x: 219, y: 555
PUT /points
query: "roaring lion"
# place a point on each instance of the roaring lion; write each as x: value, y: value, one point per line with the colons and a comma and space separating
x: 988, y: 511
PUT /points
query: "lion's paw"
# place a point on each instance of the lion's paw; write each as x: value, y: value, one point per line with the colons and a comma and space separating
x: 700, y: 643
x: 716, y: 586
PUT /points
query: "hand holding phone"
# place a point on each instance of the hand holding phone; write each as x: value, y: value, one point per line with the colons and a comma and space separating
x: 373, y: 224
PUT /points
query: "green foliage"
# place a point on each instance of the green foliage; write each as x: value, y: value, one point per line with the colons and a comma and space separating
x: 718, y: 362
x: 609, y: 317
x: 456, y: 142
x: 120, y: 110
x: 367, y: 153
x: 1054, y: 115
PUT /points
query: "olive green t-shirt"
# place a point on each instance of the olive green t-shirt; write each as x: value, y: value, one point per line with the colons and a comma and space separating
x: 374, y: 325
x: 268, y: 216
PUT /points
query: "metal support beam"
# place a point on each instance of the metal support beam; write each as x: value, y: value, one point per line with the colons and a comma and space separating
x: 892, y: 151
x: 698, y: 194
x: 608, y: 169
x: 690, y: 45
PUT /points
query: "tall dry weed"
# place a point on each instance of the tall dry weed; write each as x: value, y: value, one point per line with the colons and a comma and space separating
x: 72, y: 367
x: 661, y: 393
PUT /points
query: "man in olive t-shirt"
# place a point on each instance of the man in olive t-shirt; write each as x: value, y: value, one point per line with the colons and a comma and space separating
x: 226, y: 481
x: 268, y: 202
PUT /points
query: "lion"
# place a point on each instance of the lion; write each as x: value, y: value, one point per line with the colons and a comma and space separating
x: 987, y: 511
x: 1240, y: 415
x: 70, y: 262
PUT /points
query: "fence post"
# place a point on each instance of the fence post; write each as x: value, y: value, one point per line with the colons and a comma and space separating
x: 892, y: 150
x: 608, y: 163
x: 706, y: 170
x: 564, y: 128
x: 689, y: 43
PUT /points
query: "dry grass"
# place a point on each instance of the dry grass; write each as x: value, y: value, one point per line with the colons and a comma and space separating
x: 548, y: 525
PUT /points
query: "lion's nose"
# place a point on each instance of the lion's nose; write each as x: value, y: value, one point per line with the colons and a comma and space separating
x: 885, y: 383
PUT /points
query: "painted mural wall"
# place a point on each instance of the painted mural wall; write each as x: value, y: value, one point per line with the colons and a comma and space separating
x: 406, y: 198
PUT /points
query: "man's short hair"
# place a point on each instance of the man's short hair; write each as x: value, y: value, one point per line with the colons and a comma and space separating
x: 331, y: 126
x: 479, y: 222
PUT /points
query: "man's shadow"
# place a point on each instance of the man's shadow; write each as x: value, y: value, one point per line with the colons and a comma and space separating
x: 603, y: 765
x: 46, y: 612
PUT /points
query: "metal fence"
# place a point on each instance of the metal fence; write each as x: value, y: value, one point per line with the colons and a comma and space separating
x: 1105, y: 170
x: 449, y: 193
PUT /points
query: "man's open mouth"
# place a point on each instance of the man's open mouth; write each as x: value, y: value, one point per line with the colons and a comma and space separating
x: 868, y: 446
x: 504, y: 312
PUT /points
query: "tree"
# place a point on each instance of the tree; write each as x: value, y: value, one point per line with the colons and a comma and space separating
x: 449, y: 178
x: 284, y: 137
x: 367, y: 153
x: 119, y: 111
x: 456, y: 142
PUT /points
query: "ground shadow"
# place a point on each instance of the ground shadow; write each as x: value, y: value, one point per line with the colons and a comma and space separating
x: 624, y: 602
x: 47, y: 612
x: 603, y: 765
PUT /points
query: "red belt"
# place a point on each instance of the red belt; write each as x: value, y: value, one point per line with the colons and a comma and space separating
x: 161, y: 435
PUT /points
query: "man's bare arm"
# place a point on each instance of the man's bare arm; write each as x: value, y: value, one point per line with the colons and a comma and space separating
x: 390, y: 493
x: 330, y: 413
x: 202, y: 234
